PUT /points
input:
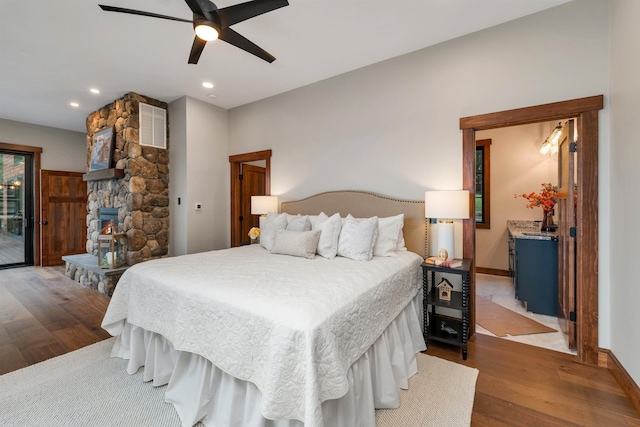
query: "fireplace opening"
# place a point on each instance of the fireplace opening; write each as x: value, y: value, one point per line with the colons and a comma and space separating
x: 106, y: 215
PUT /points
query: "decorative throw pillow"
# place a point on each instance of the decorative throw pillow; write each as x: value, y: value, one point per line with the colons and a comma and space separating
x: 400, y: 245
x: 272, y: 224
x: 389, y: 231
x: 312, y: 218
x: 296, y: 243
x: 357, y: 238
x: 299, y: 223
x: 329, y: 233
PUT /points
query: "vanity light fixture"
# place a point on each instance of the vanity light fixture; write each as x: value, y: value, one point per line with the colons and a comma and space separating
x: 550, y: 145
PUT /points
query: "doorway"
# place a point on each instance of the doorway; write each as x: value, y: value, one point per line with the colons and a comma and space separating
x: 258, y: 180
x: 516, y: 165
x: 19, y: 167
x: 586, y: 112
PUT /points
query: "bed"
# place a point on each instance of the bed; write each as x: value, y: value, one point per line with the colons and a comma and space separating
x: 253, y: 338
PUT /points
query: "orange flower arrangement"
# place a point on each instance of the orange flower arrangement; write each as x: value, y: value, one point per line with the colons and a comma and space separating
x: 546, y: 199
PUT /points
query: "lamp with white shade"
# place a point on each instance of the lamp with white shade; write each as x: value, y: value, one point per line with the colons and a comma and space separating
x: 262, y: 205
x: 446, y: 206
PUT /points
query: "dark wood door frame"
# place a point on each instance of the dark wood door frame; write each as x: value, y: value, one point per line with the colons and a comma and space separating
x: 586, y: 111
x: 36, y: 151
x: 235, y: 168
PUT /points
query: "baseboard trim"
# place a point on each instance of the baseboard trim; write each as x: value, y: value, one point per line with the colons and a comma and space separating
x: 621, y: 375
x: 493, y: 271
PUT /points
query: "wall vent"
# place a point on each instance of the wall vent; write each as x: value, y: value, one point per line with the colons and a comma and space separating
x: 153, y: 126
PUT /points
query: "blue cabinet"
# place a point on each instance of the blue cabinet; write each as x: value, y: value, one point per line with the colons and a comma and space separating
x: 536, y: 274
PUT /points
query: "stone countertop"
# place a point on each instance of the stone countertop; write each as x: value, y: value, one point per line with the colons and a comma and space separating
x: 527, y: 229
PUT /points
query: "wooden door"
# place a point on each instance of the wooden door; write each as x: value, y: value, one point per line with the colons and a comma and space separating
x: 566, y: 243
x: 64, y: 215
x: 252, y: 184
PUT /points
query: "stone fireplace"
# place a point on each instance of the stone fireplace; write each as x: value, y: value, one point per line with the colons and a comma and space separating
x: 134, y: 192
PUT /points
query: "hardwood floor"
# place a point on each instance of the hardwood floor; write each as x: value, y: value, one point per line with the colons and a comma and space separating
x: 44, y: 314
x: 522, y: 385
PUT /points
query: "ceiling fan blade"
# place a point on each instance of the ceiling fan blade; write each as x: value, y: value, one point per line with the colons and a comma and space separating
x: 194, y: 6
x: 139, y: 12
x: 245, y: 44
x: 243, y: 11
x: 196, y: 50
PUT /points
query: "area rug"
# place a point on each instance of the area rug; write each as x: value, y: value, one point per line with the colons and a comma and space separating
x: 88, y: 388
x: 502, y: 322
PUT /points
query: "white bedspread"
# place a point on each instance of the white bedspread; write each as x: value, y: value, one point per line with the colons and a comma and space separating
x: 293, y: 335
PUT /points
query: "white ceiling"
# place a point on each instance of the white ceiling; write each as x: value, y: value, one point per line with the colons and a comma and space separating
x: 53, y: 52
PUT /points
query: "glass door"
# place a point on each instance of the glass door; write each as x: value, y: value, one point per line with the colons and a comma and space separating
x: 16, y: 209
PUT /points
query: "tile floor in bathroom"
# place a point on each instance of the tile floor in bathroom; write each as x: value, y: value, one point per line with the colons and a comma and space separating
x: 499, y: 289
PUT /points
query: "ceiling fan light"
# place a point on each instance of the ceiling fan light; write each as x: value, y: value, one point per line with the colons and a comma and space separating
x: 206, y: 32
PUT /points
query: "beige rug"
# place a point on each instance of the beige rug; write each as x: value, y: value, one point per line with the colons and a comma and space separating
x: 502, y: 322
x: 88, y: 388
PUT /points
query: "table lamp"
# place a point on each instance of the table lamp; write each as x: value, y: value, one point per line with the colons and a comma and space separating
x: 446, y: 206
x: 262, y: 205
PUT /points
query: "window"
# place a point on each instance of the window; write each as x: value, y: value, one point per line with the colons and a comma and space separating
x: 482, y: 205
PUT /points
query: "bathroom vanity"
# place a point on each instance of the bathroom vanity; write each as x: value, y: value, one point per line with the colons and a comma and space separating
x: 533, y: 264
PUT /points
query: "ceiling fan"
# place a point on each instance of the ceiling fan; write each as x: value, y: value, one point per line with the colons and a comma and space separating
x: 211, y: 23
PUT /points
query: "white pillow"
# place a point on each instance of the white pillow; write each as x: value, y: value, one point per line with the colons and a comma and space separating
x: 400, y: 245
x: 272, y: 224
x: 296, y: 243
x: 389, y: 231
x: 312, y: 218
x: 357, y: 238
x: 329, y: 233
x: 299, y: 223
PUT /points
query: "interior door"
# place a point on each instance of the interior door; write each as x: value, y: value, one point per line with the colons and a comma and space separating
x: 252, y: 184
x: 566, y: 243
x: 64, y: 215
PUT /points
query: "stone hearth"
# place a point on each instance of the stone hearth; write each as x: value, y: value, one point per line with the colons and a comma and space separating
x: 141, y: 195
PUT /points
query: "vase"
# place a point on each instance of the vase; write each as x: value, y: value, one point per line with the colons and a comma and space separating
x: 547, y: 221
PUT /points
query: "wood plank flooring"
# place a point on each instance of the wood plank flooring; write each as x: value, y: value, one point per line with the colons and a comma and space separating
x: 44, y: 314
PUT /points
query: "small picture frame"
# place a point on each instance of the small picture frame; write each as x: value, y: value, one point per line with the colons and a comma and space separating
x: 101, y: 150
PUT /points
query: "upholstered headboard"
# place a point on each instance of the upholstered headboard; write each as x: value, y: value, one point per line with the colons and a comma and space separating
x: 363, y: 204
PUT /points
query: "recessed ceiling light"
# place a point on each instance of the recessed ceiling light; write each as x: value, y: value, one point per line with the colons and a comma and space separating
x: 211, y: 95
x: 94, y: 90
x: 74, y: 104
x: 208, y: 85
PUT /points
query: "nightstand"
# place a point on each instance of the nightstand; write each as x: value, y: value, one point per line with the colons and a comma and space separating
x: 438, y: 327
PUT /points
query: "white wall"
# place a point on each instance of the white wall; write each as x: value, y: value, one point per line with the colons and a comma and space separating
x: 207, y: 182
x: 393, y: 127
x: 62, y: 150
x: 516, y: 167
x: 199, y: 173
x: 177, y: 112
x: 625, y: 176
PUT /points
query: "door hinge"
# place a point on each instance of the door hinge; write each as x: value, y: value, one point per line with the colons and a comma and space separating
x: 241, y: 218
x: 573, y: 147
x: 572, y: 316
x: 573, y: 231
x: 240, y: 177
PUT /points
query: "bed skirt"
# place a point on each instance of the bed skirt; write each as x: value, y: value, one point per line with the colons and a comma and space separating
x: 200, y: 391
